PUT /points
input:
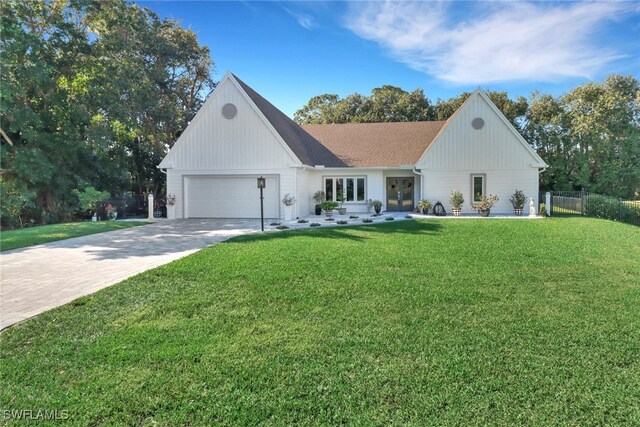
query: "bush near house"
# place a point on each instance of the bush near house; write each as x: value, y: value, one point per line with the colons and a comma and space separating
x: 609, y: 208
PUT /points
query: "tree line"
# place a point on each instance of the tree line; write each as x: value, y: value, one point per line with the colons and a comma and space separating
x: 92, y: 96
x: 590, y: 136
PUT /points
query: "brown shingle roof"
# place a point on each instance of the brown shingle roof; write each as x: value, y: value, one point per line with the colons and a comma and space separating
x: 349, y: 145
x: 304, y: 146
x: 377, y: 144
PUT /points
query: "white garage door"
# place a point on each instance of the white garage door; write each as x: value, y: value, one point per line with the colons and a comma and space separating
x: 229, y: 197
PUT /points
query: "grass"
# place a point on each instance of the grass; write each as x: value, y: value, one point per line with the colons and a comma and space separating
x: 14, y: 239
x: 442, y: 323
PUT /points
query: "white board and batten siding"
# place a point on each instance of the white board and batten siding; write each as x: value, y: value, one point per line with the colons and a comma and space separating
x: 212, y: 168
x: 495, y: 151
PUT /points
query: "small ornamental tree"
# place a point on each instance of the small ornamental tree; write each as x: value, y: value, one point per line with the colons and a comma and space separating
x: 456, y: 199
x: 518, y: 199
x: 89, y: 197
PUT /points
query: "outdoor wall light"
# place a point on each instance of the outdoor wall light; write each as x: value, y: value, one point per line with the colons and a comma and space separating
x: 262, y: 182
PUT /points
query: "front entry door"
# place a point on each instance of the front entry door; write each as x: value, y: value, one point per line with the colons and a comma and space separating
x: 400, y: 194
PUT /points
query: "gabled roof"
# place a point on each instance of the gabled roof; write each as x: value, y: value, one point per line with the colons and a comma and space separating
x: 308, y: 150
x: 538, y: 162
x: 518, y: 136
x: 353, y: 144
x: 377, y: 144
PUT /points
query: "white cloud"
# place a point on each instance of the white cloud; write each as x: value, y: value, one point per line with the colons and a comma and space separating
x: 305, y: 20
x: 502, y: 41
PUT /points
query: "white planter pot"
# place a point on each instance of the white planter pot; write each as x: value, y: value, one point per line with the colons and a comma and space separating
x: 288, y: 213
x: 171, y: 212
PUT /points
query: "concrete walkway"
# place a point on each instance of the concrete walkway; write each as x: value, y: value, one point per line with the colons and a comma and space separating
x: 39, y: 278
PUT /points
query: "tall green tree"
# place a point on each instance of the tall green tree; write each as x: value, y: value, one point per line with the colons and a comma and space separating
x: 385, y: 104
x: 93, y: 94
x: 590, y: 137
x: 514, y: 110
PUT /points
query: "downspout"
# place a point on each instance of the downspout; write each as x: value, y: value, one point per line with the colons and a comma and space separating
x: 421, y: 181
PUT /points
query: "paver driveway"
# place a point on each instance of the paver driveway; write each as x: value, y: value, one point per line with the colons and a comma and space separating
x: 39, y: 278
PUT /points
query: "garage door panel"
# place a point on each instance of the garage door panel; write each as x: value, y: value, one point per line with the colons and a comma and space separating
x: 229, y: 197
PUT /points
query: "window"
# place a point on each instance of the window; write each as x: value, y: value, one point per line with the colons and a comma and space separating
x: 352, y: 187
x: 360, y: 190
x: 477, y: 187
x: 328, y: 188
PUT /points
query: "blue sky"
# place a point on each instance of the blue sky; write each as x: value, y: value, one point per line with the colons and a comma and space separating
x: 292, y: 51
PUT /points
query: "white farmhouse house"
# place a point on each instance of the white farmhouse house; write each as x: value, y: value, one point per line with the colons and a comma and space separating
x: 238, y: 136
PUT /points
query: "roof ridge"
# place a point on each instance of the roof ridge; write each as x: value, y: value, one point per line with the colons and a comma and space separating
x: 308, y: 150
x: 374, y: 123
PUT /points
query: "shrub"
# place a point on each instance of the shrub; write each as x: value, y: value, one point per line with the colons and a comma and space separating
x: 273, y: 224
x: 302, y: 221
x: 518, y: 199
x: 486, y: 202
x: 610, y: 208
x: 456, y: 199
x: 354, y: 217
x: 367, y: 220
x: 288, y: 200
x: 424, y: 205
x: 342, y: 222
x: 329, y: 205
x: 282, y: 227
x: 89, y: 197
x: 389, y: 218
x: 314, y: 224
x: 329, y: 219
x: 319, y: 197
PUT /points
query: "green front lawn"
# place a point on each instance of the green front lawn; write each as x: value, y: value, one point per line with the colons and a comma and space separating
x: 14, y: 239
x: 474, y: 323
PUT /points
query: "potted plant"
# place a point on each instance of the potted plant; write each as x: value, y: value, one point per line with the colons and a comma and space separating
x: 340, y: 199
x: 171, y: 203
x: 111, y: 211
x: 517, y: 200
x: 319, y: 197
x: 377, y: 206
x: 485, y: 204
x: 423, y: 206
x: 456, y: 201
x: 288, y: 202
x: 328, y: 206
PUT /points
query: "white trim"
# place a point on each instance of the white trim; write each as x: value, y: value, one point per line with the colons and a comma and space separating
x: 484, y: 185
x: 227, y: 77
x: 345, y: 177
x: 265, y: 121
x: 513, y: 130
x: 180, y: 141
x: 386, y: 194
x: 210, y: 175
